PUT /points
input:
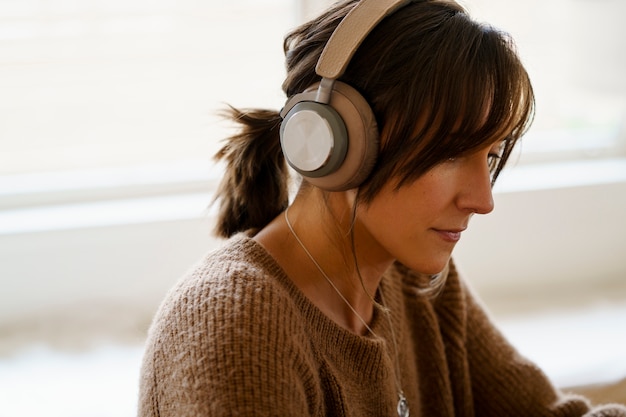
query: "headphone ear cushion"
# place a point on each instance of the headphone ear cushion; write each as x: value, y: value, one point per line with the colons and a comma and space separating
x: 362, y: 136
x: 352, y: 132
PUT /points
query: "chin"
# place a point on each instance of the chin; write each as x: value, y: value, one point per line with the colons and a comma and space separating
x: 432, y: 266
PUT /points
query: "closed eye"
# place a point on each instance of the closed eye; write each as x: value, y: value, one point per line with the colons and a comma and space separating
x: 493, y: 158
x: 495, y: 154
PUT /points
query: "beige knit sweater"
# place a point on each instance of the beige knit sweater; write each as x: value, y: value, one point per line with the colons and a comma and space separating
x: 235, y: 337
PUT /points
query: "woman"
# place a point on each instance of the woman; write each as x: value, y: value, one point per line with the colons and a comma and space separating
x: 346, y: 301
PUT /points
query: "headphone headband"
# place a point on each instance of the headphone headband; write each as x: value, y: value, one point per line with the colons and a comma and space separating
x: 349, y: 34
x: 329, y: 132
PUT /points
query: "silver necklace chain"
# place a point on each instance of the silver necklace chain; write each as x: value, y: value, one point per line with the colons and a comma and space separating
x: 402, y: 406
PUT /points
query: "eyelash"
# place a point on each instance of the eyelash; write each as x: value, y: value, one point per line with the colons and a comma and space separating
x: 494, y: 158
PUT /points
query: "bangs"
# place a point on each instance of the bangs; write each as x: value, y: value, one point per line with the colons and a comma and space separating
x: 478, y: 95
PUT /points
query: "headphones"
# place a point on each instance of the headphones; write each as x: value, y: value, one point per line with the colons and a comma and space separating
x: 329, y: 133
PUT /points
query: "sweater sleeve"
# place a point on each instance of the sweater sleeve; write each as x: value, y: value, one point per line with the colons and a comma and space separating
x: 226, y: 349
x: 504, y: 383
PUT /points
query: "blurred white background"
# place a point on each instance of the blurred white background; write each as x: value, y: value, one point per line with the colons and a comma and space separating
x: 107, y: 127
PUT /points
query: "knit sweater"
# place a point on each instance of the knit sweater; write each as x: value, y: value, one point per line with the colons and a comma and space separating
x: 236, y: 337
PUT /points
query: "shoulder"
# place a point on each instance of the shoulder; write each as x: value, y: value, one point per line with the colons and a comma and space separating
x: 238, y: 284
x: 224, y: 334
x: 235, y: 303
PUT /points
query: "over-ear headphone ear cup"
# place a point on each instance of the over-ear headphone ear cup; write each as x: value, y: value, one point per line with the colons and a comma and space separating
x: 348, y: 135
x: 314, y: 139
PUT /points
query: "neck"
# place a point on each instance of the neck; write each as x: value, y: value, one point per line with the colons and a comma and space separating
x: 328, y: 274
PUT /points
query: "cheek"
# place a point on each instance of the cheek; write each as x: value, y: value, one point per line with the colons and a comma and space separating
x: 393, y: 215
x: 422, y: 198
x: 410, y: 204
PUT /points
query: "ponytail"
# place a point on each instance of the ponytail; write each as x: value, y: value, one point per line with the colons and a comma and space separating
x: 254, y: 188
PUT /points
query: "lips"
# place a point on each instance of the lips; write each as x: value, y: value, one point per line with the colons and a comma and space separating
x: 452, y: 235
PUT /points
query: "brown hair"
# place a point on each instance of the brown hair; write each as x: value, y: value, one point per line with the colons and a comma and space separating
x: 440, y: 84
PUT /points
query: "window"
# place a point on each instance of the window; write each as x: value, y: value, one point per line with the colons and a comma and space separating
x: 574, y: 51
x: 115, y: 83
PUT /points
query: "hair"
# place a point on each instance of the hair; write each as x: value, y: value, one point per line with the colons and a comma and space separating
x: 440, y: 84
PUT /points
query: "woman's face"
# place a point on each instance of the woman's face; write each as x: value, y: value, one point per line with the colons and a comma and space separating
x: 420, y: 223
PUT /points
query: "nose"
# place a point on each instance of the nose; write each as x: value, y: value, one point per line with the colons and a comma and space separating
x: 476, y: 194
